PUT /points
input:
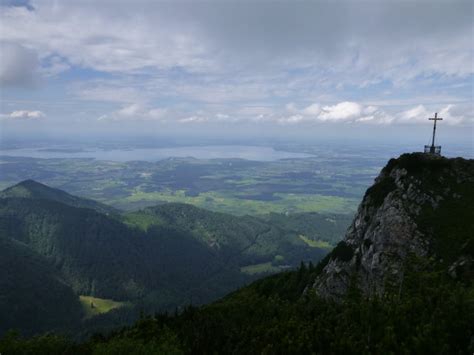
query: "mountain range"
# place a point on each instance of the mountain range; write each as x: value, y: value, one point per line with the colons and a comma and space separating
x: 401, y: 281
x: 158, y: 258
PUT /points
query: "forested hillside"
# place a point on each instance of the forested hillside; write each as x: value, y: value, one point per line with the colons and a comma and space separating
x: 33, y: 295
x: 428, y: 310
x: 150, y: 260
x: 244, y: 240
x: 31, y: 189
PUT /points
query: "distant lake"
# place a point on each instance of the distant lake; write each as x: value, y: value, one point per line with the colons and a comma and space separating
x: 255, y: 153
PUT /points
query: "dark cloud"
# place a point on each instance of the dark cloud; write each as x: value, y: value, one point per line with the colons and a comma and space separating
x: 17, y: 3
x: 18, y: 65
x: 370, y: 36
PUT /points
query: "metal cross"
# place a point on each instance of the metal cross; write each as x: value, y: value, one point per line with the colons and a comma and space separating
x: 435, y: 118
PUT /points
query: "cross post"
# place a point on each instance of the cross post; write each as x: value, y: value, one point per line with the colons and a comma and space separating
x: 435, y: 119
x: 433, y: 149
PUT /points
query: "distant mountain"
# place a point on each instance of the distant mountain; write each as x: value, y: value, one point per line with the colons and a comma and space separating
x: 31, y: 189
x: 158, y: 258
x: 400, y: 282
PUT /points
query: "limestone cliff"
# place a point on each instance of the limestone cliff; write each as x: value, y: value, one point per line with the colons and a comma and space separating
x: 420, y: 205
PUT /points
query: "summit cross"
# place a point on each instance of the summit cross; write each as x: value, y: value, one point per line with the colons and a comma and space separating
x: 432, y: 149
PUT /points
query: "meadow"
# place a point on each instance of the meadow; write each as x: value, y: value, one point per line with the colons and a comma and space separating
x: 93, y: 306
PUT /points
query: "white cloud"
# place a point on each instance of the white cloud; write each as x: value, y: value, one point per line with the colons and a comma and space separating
x: 293, y: 119
x: 193, y: 119
x: 131, y: 111
x: 23, y: 115
x: 452, y: 114
x: 314, y: 110
x: 346, y: 112
x: 103, y: 36
x: 239, y: 61
x: 417, y: 114
x: 457, y: 115
x: 370, y: 44
x: 136, y: 112
x: 222, y: 116
x: 353, y: 112
x: 341, y: 111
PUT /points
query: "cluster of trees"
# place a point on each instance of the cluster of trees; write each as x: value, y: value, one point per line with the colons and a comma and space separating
x: 245, y: 240
x: 282, y: 315
x: 431, y: 311
x: 313, y: 225
x: 155, y: 259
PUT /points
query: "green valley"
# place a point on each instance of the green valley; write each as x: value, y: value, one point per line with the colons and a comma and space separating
x: 427, y: 308
x: 113, y: 264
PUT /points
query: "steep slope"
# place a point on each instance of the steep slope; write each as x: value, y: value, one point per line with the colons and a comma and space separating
x: 158, y: 258
x: 32, y: 295
x: 419, y: 206
x: 328, y: 229
x: 400, y: 282
x: 409, y: 249
x: 30, y: 189
x: 101, y: 256
x: 243, y: 240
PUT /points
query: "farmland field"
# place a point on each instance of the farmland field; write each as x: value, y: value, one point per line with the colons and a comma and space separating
x: 318, y: 182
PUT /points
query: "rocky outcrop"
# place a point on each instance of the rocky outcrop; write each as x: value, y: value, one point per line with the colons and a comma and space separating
x: 390, y: 224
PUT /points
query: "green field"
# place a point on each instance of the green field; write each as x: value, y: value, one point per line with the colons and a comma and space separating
x: 322, y: 183
x: 263, y: 268
x: 93, y: 306
x: 316, y: 243
x: 224, y: 202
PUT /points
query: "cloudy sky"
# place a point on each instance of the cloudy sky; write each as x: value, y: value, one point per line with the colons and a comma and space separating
x: 236, y: 66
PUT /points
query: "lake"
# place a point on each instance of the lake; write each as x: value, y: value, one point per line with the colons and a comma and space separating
x: 256, y: 153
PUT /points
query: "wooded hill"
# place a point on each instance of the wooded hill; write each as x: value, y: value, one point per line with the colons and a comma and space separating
x: 59, y: 246
x: 427, y: 309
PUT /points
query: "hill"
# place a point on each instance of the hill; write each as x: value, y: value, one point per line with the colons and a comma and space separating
x: 33, y: 296
x: 415, y: 220
x: 244, y: 240
x: 159, y: 258
x: 30, y: 189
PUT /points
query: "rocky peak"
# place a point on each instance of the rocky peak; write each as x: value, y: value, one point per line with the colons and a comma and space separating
x: 415, y: 208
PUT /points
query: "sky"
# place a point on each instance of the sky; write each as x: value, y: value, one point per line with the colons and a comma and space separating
x: 369, y: 69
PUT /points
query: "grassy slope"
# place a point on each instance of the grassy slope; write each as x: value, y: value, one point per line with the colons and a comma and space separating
x: 263, y: 268
x: 93, y: 306
x: 315, y: 243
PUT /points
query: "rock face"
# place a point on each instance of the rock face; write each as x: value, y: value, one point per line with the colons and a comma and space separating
x: 392, y: 222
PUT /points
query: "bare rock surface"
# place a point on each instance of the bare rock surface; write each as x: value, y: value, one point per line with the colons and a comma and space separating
x: 385, y: 229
